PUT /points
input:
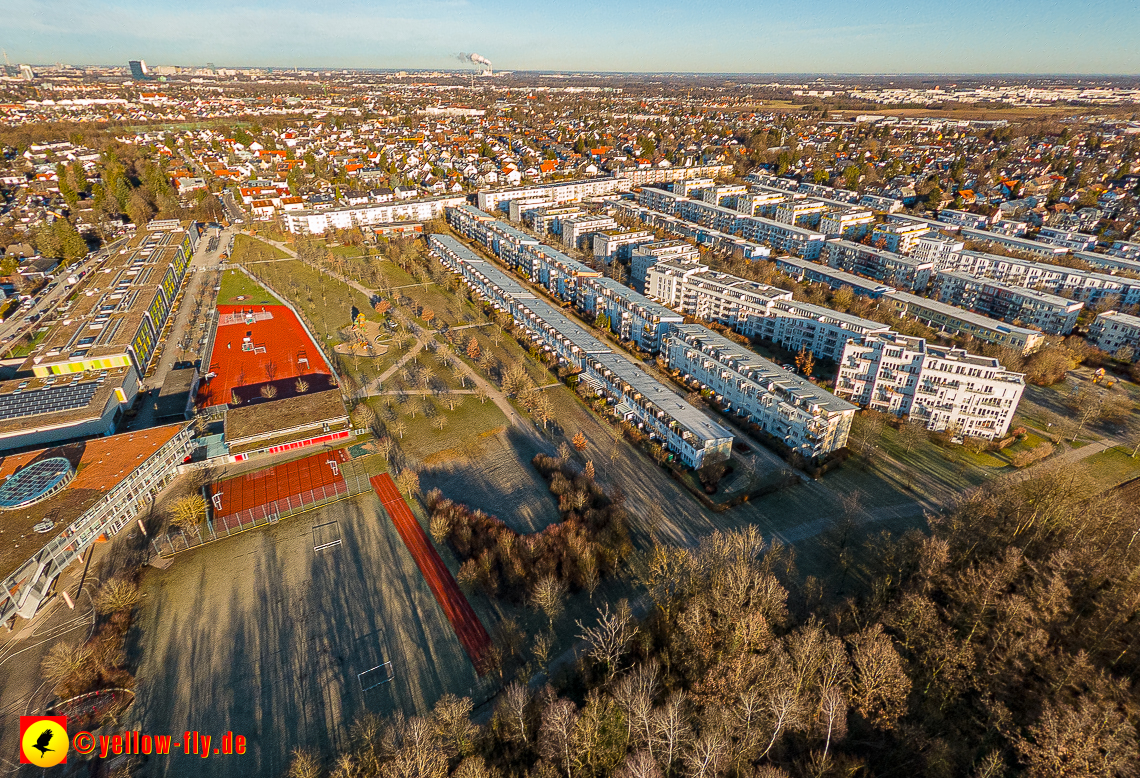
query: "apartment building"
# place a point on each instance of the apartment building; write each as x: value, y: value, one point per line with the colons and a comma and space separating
x: 1015, y: 304
x: 649, y: 254
x: 559, y: 274
x: 636, y: 396
x: 632, y: 316
x: 942, y: 252
x: 1082, y: 285
x: 959, y: 322
x: 723, y: 195
x: 690, y: 186
x: 805, y: 417
x: 548, y: 220
x: 813, y: 272
x: 847, y: 223
x: 1113, y: 331
x: 757, y: 310
x: 941, y: 387
x: 313, y: 222
x: 963, y: 218
x: 757, y: 203
x: 1110, y: 263
x: 1125, y: 249
x: 617, y: 245
x: 885, y: 266
x: 1012, y: 243
x: 577, y: 230
x: 1073, y: 240
x: 789, y: 239
x: 800, y: 213
x: 555, y: 194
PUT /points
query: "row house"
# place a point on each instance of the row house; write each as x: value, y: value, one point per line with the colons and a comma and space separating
x: 636, y: 396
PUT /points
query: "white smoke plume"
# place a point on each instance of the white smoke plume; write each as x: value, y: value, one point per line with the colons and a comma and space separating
x: 473, y: 59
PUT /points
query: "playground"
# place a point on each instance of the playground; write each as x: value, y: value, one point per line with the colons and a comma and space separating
x: 368, y: 340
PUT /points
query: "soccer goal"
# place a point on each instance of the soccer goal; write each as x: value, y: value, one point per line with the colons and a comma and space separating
x: 376, y: 676
x: 326, y: 536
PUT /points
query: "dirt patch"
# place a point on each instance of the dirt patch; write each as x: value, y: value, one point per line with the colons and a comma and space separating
x: 500, y: 481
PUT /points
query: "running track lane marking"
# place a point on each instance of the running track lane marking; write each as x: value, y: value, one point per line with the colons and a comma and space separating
x: 466, y: 624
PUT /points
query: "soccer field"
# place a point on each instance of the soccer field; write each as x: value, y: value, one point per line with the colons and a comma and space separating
x: 263, y: 635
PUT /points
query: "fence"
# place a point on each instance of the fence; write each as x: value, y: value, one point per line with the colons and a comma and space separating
x: 222, y: 527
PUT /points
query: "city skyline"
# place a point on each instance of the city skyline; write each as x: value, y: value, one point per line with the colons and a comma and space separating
x: 764, y: 37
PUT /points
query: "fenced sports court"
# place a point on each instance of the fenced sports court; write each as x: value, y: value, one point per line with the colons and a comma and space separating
x: 267, y: 496
x: 470, y: 631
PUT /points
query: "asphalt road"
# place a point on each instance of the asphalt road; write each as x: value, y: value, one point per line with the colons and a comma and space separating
x: 190, y: 323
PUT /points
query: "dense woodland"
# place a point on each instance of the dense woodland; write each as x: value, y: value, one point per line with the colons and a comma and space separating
x: 1001, y: 642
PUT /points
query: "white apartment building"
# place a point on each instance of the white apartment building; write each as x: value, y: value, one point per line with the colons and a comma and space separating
x: 647, y: 255
x: 1113, y: 331
x: 791, y: 409
x: 1050, y: 313
x: 943, y: 388
x: 886, y: 266
x: 899, y: 237
x: 578, y: 229
x: 756, y: 310
x: 941, y: 252
x: 309, y: 222
x: 1070, y: 239
x: 848, y: 223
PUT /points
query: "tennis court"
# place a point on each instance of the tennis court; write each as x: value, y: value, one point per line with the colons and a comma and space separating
x: 470, y: 631
x: 291, y: 479
x: 257, y: 345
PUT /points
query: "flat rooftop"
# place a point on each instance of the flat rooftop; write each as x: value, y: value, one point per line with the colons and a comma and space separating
x: 27, y: 404
x: 255, y: 345
x: 104, y: 314
x: 101, y: 464
x: 802, y: 391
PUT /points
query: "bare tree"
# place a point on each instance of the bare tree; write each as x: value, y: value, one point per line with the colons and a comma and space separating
x: 610, y: 636
x: 556, y: 735
x: 512, y: 711
x: 707, y: 754
x: 549, y: 596
x: 671, y: 731
x: 118, y: 594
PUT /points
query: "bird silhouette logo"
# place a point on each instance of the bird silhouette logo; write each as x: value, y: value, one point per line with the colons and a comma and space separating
x: 43, y: 740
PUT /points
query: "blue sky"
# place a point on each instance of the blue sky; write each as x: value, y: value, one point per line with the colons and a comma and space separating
x: 747, y: 36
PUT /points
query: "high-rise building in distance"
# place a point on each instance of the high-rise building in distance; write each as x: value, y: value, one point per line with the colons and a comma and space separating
x: 138, y: 69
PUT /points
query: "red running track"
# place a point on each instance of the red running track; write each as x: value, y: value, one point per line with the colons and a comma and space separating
x: 466, y: 624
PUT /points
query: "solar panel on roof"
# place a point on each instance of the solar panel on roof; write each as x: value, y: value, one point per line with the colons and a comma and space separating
x: 35, y: 482
x: 47, y: 400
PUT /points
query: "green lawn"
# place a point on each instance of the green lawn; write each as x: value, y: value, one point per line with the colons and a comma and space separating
x: 236, y: 284
x: 1114, y: 466
x: 247, y: 249
x: 469, y: 419
x: 26, y: 346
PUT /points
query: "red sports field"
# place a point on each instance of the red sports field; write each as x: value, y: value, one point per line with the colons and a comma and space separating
x: 292, y: 479
x: 463, y: 620
x: 255, y: 345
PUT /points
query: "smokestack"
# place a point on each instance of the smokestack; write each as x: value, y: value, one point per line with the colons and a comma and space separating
x: 475, y: 59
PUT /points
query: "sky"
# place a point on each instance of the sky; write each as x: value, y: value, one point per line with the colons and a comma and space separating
x: 711, y: 36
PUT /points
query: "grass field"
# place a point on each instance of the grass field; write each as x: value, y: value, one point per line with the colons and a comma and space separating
x: 326, y: 301
x: 236, y: 284
x: 262, y: 635
x: 25, y: 346
x: 422, y: 441
x: 247, y: 249
x: 1113, y: 467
